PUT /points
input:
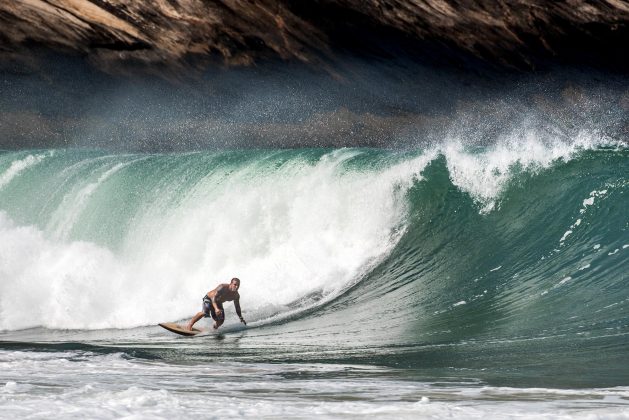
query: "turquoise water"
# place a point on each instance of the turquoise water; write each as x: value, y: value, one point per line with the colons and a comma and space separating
x: 433, y: 281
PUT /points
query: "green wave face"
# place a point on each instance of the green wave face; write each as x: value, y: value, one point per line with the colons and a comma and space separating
x: 81, y: 227
x: 435, y: 258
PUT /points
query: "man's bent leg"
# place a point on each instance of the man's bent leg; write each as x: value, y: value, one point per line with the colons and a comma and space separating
x: 194, y: 320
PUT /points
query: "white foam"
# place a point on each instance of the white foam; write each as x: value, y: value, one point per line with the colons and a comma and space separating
x: 587, y: 202
x: 10, y: 386
x: 111, y: 386
x: 563, y: 281
x: 484, y: 175
x: 19, y: 166
x: 58, y: 285
x: 590, y: 200
x: 565, y: 235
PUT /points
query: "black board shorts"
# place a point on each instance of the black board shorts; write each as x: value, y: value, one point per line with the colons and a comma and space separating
x: 208, y: 310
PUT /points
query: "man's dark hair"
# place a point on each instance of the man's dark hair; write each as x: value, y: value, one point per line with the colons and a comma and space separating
x: 235, y: 279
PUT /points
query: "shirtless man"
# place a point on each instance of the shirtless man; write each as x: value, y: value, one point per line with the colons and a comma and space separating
x: 213, y: 304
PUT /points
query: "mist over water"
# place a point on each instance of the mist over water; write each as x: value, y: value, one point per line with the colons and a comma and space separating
x: 391, y: 104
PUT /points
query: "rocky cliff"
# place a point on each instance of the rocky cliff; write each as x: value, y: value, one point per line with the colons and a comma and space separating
x: 167, y: 36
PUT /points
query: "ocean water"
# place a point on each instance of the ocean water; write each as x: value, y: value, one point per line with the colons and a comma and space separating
x: 441, y: 281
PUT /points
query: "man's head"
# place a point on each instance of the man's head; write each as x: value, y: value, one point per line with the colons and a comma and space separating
x: 234, y: 284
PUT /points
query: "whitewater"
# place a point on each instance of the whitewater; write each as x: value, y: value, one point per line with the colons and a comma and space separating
x: 442, y: 280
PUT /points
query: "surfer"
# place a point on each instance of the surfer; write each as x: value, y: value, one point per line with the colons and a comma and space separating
x: 213, y: 304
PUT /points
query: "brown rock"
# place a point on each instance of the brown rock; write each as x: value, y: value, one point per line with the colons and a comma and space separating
x: 171, y: 35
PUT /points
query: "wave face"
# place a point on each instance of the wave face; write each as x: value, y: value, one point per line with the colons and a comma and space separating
x: 516, y: 250
x: 88, y: 235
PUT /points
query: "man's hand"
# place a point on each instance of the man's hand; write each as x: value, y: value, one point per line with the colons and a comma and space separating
x: 218, y: 312
x: 243, y: 320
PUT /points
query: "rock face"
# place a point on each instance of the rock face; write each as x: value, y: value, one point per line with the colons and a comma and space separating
x: 121, y: 34
x: 166, y: 36
x: 311, y: 73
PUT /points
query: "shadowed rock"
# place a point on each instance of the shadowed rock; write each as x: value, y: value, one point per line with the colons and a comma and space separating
x: 166, y: 36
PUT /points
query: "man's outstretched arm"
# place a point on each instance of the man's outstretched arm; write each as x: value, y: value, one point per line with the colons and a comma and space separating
x: 237, y: 306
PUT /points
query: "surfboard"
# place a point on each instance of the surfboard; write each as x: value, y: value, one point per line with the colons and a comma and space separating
x: 178, y: 329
